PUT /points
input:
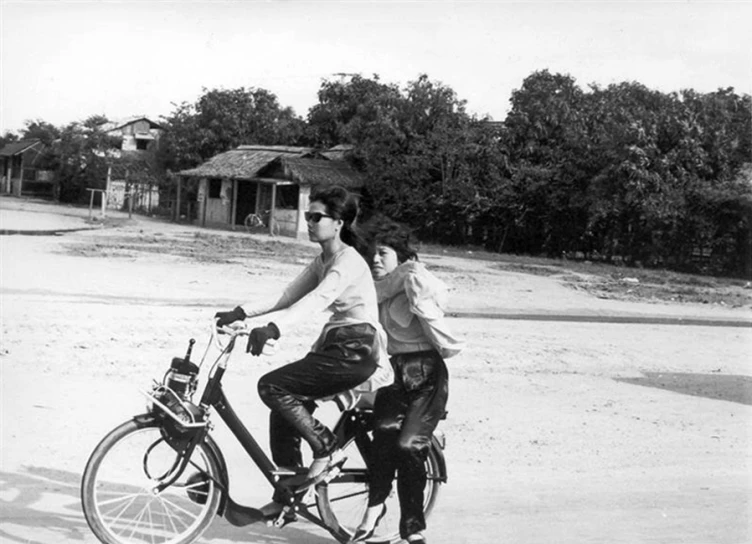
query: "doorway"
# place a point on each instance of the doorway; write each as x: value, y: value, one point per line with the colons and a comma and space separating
x: 246, y: 200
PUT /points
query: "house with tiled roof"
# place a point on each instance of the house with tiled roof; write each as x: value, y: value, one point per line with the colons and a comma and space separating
x: 273, y: 182
x: 21, y: 167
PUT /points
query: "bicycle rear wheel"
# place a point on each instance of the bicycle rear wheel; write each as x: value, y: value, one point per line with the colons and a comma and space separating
x: 118, y: 493
x: 343, y: 501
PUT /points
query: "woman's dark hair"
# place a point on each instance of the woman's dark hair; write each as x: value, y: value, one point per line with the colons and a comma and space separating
x: 342, y: 204
x: 382, y: 231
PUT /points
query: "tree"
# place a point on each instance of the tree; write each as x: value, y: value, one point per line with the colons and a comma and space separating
x: 46, y: 132
x: 418, y: 147
x: 8, y: 138
x: 546, y: 135
x: 354, y: 112
x: 81, y: 157
x: 224, y: 119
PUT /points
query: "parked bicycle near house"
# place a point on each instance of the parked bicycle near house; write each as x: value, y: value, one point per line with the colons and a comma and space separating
x: 254, y: 222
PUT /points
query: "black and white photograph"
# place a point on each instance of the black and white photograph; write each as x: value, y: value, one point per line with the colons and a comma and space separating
x: 384, y: 272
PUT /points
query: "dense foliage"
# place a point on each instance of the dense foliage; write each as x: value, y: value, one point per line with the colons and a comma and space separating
x: 221, y: 120
x: 622, y: 173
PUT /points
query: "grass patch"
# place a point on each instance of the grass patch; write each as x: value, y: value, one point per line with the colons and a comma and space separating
x: 616, y: 282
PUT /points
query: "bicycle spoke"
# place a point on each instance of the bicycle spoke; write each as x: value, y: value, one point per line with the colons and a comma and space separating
x: 348, y: 496
x: 123, y: 510
x: 193, y: 486
x: 173, y: 517
x: 123, y: 498
x: 178, y: 507
x: 169, y: 517
x: 137, y: 522
x: 151, y: 524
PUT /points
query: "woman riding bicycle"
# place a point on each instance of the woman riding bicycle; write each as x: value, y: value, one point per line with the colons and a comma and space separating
x: 407, y: 412
x: 350, y: 351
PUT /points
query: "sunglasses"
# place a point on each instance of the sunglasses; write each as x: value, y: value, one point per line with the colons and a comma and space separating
x: 315, y: 216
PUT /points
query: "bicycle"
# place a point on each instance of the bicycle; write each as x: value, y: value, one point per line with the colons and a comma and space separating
x: 160, y: 478
x: 254, y: 221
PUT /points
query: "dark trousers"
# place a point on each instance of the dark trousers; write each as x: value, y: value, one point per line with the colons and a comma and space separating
x: 344, y: 360
x: 406, y: 415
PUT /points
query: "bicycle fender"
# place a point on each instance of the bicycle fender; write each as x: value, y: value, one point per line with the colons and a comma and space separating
x: 223, y: 474
x: 438, y: 447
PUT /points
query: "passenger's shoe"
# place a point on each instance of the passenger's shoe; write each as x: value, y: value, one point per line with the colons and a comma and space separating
x: 367, y: 527
x: 416, y: 538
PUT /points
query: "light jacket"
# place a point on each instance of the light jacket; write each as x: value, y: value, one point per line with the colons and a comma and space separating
x: 411, y: 310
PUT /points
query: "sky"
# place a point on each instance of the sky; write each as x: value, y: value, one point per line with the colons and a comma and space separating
x: 63, y: 61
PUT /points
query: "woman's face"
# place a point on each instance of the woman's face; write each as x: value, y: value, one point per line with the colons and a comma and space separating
x: 326, y: 227
x: 384, y: 262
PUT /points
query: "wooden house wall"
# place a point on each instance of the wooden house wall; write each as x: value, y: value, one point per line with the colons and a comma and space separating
x: 216, y: 211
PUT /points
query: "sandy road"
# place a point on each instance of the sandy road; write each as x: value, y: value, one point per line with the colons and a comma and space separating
x: 549, y: 436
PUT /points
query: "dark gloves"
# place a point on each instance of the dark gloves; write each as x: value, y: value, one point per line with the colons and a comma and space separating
x: 258, y: 337
x: 225, y: 318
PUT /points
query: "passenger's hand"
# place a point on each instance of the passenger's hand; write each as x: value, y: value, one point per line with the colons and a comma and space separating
x: 259, y: 336
x: 225, y: 318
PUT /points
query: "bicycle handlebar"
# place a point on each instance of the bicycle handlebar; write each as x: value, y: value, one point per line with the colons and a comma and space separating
x: 231, y: 332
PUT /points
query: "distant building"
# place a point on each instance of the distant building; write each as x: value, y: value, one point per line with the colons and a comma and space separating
x: 139, y: 138
x: 22, y: 169
x: 138, y: 133
x: 273, y: 182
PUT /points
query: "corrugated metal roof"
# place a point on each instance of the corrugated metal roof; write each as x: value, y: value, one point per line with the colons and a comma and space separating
x: 17, y: 147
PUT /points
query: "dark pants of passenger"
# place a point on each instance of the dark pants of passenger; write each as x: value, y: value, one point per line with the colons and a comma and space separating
x: 406, y: 415
x: 344, y: 360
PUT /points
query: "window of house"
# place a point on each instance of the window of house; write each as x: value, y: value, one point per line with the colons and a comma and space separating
x: 142, y: 145
x: 215, y: 188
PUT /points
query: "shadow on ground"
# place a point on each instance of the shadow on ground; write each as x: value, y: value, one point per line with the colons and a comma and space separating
x: 42, y: 506
x: 732, y: 388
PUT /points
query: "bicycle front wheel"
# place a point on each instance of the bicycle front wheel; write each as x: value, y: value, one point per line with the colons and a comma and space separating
x: 119, y: 496
x: 343, y: 501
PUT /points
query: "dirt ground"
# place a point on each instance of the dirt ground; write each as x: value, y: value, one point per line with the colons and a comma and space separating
x: 573, y: 418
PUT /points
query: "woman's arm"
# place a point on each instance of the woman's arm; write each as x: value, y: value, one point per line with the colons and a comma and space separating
x: 426, y: 295
x: 337, y: 278
x: 304, y: 283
